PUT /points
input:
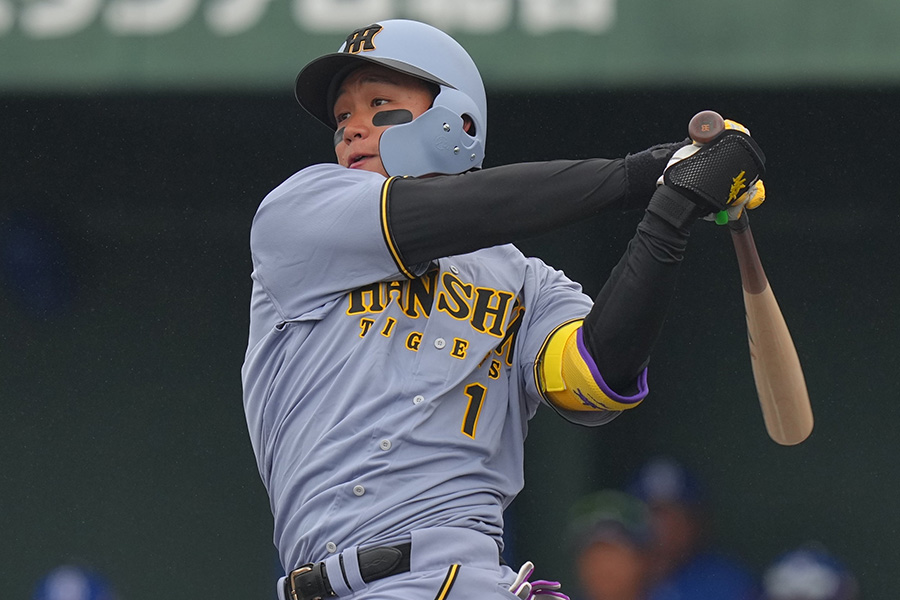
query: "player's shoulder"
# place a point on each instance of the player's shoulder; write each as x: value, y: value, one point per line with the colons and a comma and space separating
x: 309, y: 194
x: 509, y: 256
x: 502, y: 252
x: 506, y: 262
x: 324, y: 178
x: 334, y: 171
x: 503, y: 258
x: 317, y: 187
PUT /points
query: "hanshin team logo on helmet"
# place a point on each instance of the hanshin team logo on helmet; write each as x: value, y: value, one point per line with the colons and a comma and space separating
x: 362, y: 39
x: 436, y: 141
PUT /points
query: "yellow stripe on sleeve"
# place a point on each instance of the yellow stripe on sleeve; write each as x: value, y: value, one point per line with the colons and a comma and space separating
x: 386, y: 230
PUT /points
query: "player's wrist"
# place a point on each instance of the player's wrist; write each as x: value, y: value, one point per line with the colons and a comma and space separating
x: 669, y: 205
x: 644, y: 168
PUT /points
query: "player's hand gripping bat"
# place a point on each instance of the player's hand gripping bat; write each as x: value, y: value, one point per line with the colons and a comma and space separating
x: 776, y: 367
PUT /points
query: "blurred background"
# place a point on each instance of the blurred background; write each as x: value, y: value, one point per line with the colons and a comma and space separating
x: 137, y: 138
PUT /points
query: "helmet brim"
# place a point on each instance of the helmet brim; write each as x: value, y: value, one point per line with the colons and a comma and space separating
x: 317, y: 82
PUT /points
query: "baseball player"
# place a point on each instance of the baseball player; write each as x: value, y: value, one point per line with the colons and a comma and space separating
x: 399, y: 344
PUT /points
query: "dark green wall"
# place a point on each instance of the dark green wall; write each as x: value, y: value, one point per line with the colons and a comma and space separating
x: 123, y: 441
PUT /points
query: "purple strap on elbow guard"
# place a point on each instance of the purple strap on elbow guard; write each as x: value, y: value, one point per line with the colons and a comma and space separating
x: 598, y: 378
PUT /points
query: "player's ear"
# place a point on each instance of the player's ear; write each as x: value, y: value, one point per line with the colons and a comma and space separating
x: 468, y: 125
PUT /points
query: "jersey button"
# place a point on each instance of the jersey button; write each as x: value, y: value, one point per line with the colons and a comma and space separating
x: 358, y: 490
x: 385, y: 445
x: 440, y: 343
x: 331, y: 547
x: 419, y: 399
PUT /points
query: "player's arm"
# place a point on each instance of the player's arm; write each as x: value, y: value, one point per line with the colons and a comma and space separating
x: 568, y: 377
x: 431, y: 217
x: 601, y: 363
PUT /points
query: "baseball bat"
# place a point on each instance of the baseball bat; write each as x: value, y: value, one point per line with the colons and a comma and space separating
x: 780, y: 384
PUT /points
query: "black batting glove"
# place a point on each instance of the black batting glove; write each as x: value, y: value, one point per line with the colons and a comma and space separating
x: 719, y: 172
x: 703, y: 180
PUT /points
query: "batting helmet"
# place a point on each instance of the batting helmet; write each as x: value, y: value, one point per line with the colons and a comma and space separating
x: 435, y: 142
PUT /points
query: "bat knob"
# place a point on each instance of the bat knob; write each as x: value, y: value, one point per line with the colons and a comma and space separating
x: 705, y: 126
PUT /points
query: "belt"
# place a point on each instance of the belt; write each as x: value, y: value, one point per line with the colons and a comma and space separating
x: 310, y: 581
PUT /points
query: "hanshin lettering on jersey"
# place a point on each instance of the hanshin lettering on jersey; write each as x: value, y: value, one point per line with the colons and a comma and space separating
x: 488, y: 311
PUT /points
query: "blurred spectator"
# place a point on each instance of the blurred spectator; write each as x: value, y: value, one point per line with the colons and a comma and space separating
x: 684, y: 565
x: 808, y: 573
x: 610, y: 531
x: 68, y: 582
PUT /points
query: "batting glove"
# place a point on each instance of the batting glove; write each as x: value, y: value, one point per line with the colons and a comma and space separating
x: 752, y: 198
x: 535, y: 590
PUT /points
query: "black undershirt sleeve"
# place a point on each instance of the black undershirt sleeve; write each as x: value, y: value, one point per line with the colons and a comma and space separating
x: 629, y: 311
x: 441, y: 216
x: 432, y: 217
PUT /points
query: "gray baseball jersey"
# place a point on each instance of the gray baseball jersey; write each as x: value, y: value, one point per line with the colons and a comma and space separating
x: 380, y: 405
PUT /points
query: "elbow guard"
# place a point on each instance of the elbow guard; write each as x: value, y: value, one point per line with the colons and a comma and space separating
x: 569, y: 379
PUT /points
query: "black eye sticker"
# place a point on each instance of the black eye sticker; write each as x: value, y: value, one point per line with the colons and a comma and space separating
x: 392, y: 117
x: 339, y: 135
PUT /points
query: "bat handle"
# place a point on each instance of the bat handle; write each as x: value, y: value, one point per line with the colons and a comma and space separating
x: 741, y: 224
x: 753, y: 277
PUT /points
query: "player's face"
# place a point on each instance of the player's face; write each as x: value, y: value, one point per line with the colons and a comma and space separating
x: 370, y: 100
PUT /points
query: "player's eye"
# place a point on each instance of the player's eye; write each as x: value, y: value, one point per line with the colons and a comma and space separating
x: 341, y: 117
x: 379, y: 101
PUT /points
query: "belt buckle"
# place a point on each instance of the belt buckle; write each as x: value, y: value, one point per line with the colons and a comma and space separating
x: 301, y: 570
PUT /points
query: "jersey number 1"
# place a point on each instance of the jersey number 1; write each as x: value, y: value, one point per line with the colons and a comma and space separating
x: 476, y: 393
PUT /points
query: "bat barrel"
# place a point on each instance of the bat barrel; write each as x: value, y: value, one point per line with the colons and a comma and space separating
x: 777, y: 373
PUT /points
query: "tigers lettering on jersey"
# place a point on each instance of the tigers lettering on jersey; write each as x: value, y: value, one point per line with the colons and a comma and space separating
x: 497, y: 313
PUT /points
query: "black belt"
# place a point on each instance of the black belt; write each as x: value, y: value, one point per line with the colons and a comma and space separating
x: 310, y: 582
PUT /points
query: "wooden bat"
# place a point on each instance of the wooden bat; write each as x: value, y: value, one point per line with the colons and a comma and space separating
x: 777, y: 373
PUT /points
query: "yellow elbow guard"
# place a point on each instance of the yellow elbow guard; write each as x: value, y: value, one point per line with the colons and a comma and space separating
x: 569, y: 379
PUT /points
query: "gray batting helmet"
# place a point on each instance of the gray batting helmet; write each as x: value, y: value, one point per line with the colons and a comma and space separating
x: 435, y: 142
